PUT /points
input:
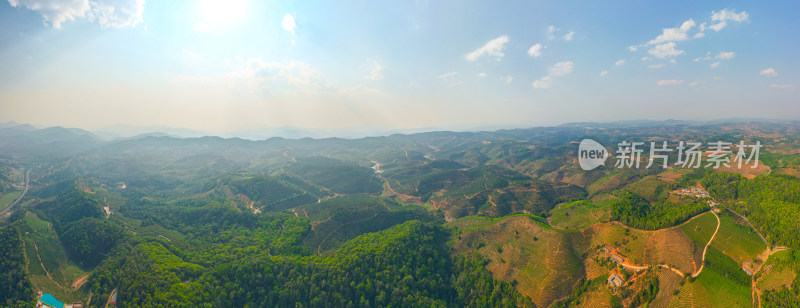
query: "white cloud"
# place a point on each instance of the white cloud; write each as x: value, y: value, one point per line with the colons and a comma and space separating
x: 718, y: 26
x: 569, y: 36
x: 450, y: 78
x: 726, y: 55
x: 699, y: 35
x: 704, y: 58
x: 109, y: 14
x: 670, y: 82
x: 665, y: 50
x: 619, y: 62
x: 257, y: 74
x: 725, y: 15
x: 645, y: 58
x: 603, y: 73
x: 508, y: 79
x: 55, y: 12
x: 633, y: 48
x: 561, y: 68
x: 119, y: 13
x: 781, y: 86
x: 492, y: 48
x: 715, y: 64
x: 375, y: 71
x: 288, y: 23
x: 535, y: 50
x: 769, y: 72
x: 481, y: 74
x: 673, y: 61
x: 655, y: 66
x: 722, y: 17
x: 551, y: 31
x: 674, y: 34
x: 543, y: 83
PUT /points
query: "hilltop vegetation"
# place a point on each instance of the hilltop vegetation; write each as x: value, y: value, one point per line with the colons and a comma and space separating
x: 769, y: 202
x: 637, y: 212
x: 15, y: 288
x: 441, y: 219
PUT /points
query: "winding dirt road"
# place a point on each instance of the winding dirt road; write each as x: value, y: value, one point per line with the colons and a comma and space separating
x: 703, y: 261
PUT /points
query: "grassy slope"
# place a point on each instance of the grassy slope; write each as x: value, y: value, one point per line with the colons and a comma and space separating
x: 774, y: 275
x: 61, y: 269
x: 544, y: 261
x: 577, y: 214
x: 738, y: 241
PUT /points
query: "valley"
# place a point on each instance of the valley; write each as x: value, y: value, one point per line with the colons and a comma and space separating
x: 262, y: 221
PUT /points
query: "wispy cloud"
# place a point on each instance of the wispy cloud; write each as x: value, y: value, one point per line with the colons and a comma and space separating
x: 108, y: 14
x: 674, y: 34
x: 670, y: 82
x: 559, y: 69
x: 375, y: 71
x: 726, y: 55
x: 543, y: 83
x: 665, y: 50
x: 619, y: 62
x: 781, y: 86
x: 491, y: 48
x: 769, y: 72
x: 603, y: 73
x: 450, y: 78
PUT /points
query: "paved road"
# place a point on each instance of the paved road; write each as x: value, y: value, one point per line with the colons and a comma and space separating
x: 27, y: 180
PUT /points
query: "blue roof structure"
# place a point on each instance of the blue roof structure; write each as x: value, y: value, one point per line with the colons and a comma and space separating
x: 50, y: 300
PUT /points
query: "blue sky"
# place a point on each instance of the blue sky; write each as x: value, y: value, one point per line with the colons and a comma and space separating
x: 222, y: 66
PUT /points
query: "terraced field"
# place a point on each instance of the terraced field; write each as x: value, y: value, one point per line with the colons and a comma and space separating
x: 631, y: 243
x: 577, y: 214
x: 601, y: 297
x: 777, y: 271
x: 48, y: 264
x: 673, y: 248
x: 721, y: 284
x: 667, y: 281
x: 712, y: 290
x: 542, y: 260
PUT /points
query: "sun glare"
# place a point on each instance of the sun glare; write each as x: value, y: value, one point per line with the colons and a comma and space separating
x: 217, y: 15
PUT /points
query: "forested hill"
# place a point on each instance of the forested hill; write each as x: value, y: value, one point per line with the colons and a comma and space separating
x: 441, y: 219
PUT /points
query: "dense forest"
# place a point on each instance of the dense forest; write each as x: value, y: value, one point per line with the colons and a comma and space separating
x: 213, y: 222
x: 771, y: 203
x: 637, y: 212
x: 15, y: 288
x: 404, y: 266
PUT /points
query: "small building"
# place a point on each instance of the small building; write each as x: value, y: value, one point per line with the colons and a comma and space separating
x: 617, y: 258
x: 746, y: 267
x: 615, y: 280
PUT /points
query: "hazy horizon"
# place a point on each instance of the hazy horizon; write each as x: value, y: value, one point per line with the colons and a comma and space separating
x: 235, y: 66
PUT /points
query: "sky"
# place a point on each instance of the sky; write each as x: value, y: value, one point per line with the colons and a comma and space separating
x: 235, y: 65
